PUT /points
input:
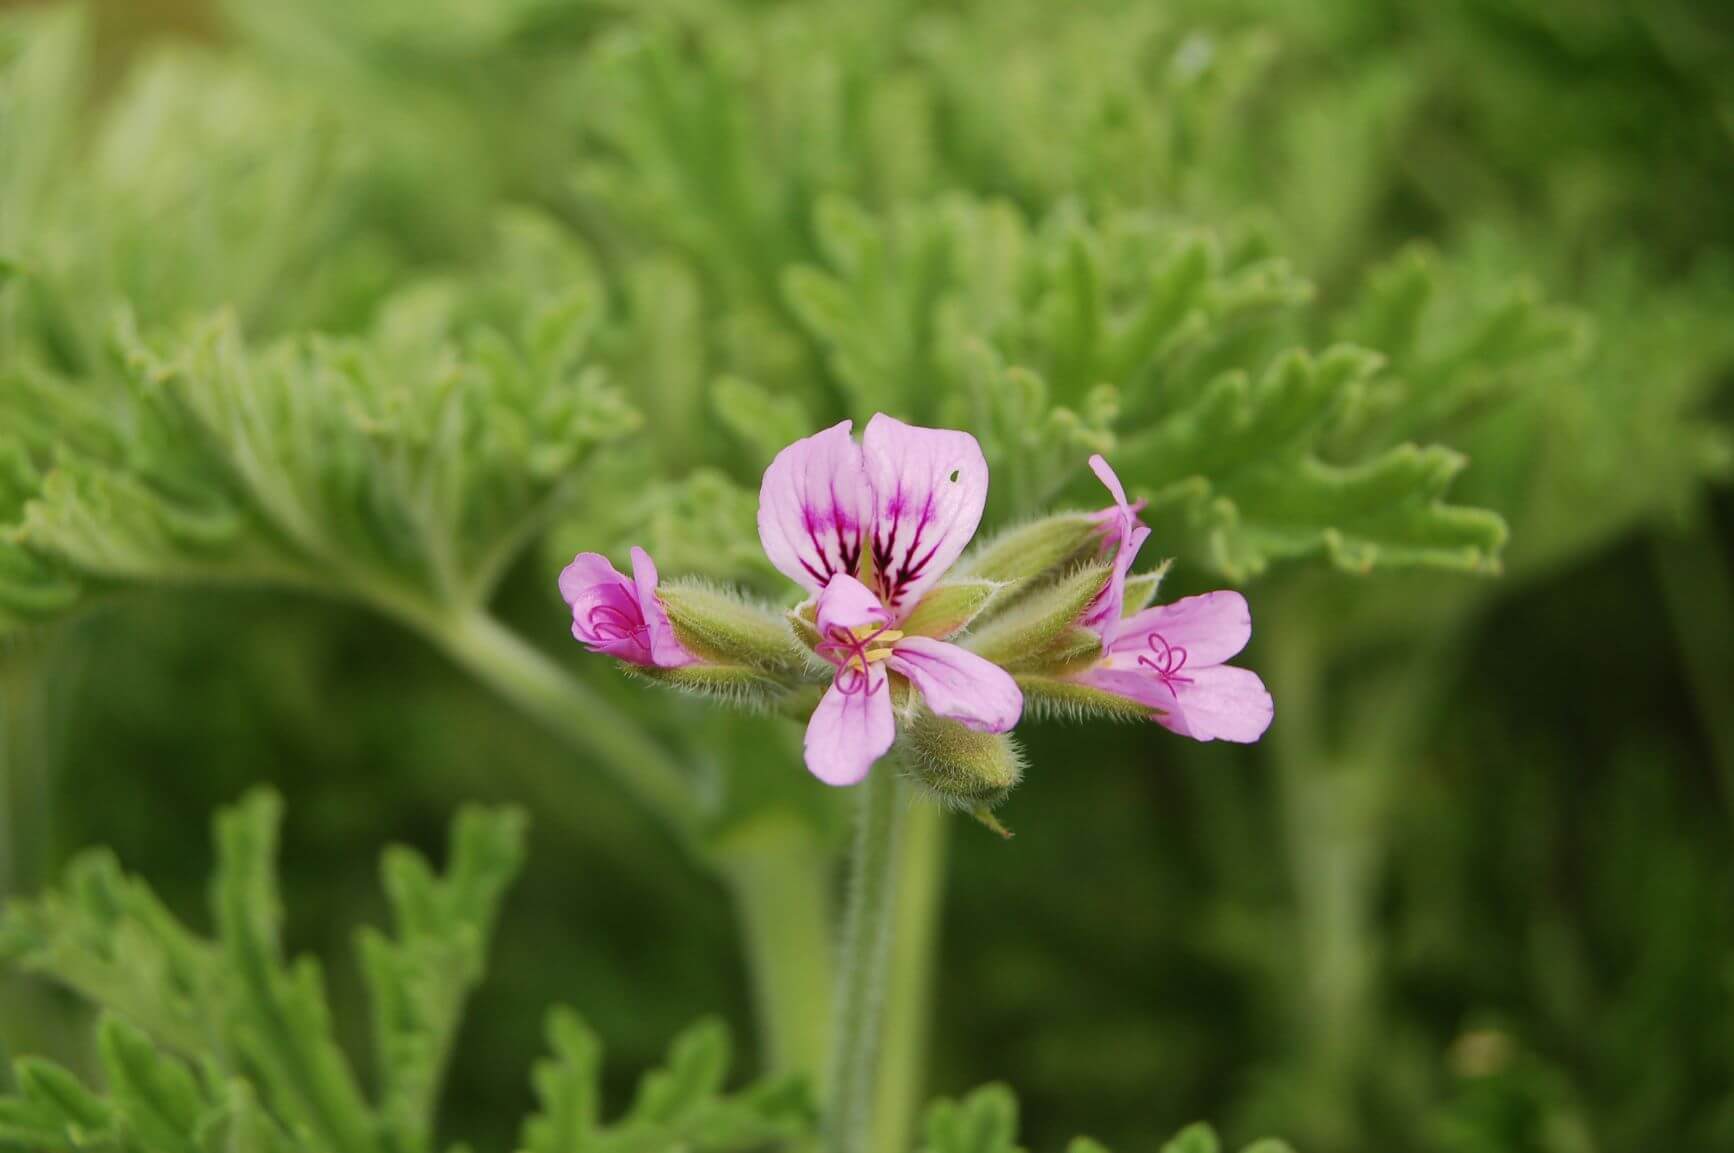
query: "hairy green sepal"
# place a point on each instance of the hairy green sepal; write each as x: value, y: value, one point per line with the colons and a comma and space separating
x: 949, y: 609
x: 1042, y: 623
x: 723, y: 627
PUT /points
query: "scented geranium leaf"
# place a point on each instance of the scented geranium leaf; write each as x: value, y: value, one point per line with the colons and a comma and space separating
x: 1455, y: 350
x: 1238, y: 471
x: 680, y: 1106
x: 106, y: 936
x: 1194, y: 1139
x: 42, y: 76
x: 254, y: 1025
x: 54, y: 1110
x: 405, y: 469
x: 282, y: 1021
x: 156, y: 1097
x: 986, y: 1121
x: 761, y: 421
x: 419, y: 980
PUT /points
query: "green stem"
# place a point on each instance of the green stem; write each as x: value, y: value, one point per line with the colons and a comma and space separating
x: 780, y: 878
x: 539, y: 686
x: 861, y: 976
x: 909, y: 984
x: 1698, y: 594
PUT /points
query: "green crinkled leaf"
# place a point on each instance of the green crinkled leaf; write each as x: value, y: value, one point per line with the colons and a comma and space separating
x: 763, y: 422
x: 986, y: 1121
x: 1194, y: 1139
x: 679, y: 1106
x: 406, y: 469
x: 419, y: 979
x: 237, y: 1005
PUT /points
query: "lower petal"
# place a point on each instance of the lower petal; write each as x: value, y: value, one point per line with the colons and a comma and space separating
x: 850, y: 730
x: 1221, y: 703
x: 958, y: 684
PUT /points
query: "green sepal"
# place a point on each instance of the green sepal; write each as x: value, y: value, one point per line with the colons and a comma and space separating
x: 958, y: 767
x: 1075, y: 649
x: 803, y: 619
x: 1037, y: 549
x: 1021, y: 636
x: 735, y: 685
x: 1141, y: 589
x: 1051, y: 698
x: 949, y: 609
x: 723, y: 627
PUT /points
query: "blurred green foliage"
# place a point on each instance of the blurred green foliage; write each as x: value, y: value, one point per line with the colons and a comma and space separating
x: 1416, y: 318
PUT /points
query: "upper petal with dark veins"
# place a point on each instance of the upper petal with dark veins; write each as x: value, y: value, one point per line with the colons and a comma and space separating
x: 928, y: 487
x: 813, y: 508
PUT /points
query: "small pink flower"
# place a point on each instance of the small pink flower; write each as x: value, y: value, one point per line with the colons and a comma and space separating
x: 870, y: 528
x: 1171, y: 657
x: 621, y: 617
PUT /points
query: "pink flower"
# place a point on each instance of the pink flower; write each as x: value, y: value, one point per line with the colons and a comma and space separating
x: 1171, y: 657
x: 869, y: 529
x: 621, y: 617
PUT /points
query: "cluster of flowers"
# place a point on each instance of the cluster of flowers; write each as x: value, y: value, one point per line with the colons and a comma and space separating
x: 870, y: 531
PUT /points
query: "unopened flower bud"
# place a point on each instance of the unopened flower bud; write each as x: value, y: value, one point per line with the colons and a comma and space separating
x: 959, y: 767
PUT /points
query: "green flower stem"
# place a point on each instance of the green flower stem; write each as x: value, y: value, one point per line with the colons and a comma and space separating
x: 865, y: 950
x: 909, y: 984
x: 780, y: 878
x: 1698, y: 594
x: 1337, y: 799
x: 538, y: 685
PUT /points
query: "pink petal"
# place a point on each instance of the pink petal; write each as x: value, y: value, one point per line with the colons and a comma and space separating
x: 958, y: 684
x: 850, y: 730
x: 1104, y: 614
x: 606, y: 616
x: 813, y: 508
x: 666, y: 651
x: 1106, y: 474
x: 847, y: 604
x: 1221, y: 702
x: 929, y: 487
x: 1210, y: 628
x: 1128, y: 536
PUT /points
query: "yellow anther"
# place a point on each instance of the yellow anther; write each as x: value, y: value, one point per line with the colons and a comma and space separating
x: 878, y: 654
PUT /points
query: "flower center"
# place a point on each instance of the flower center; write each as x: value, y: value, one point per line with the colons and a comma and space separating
x: 612, y: 623
x: 1166, y: 661
x: 852, y: 650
